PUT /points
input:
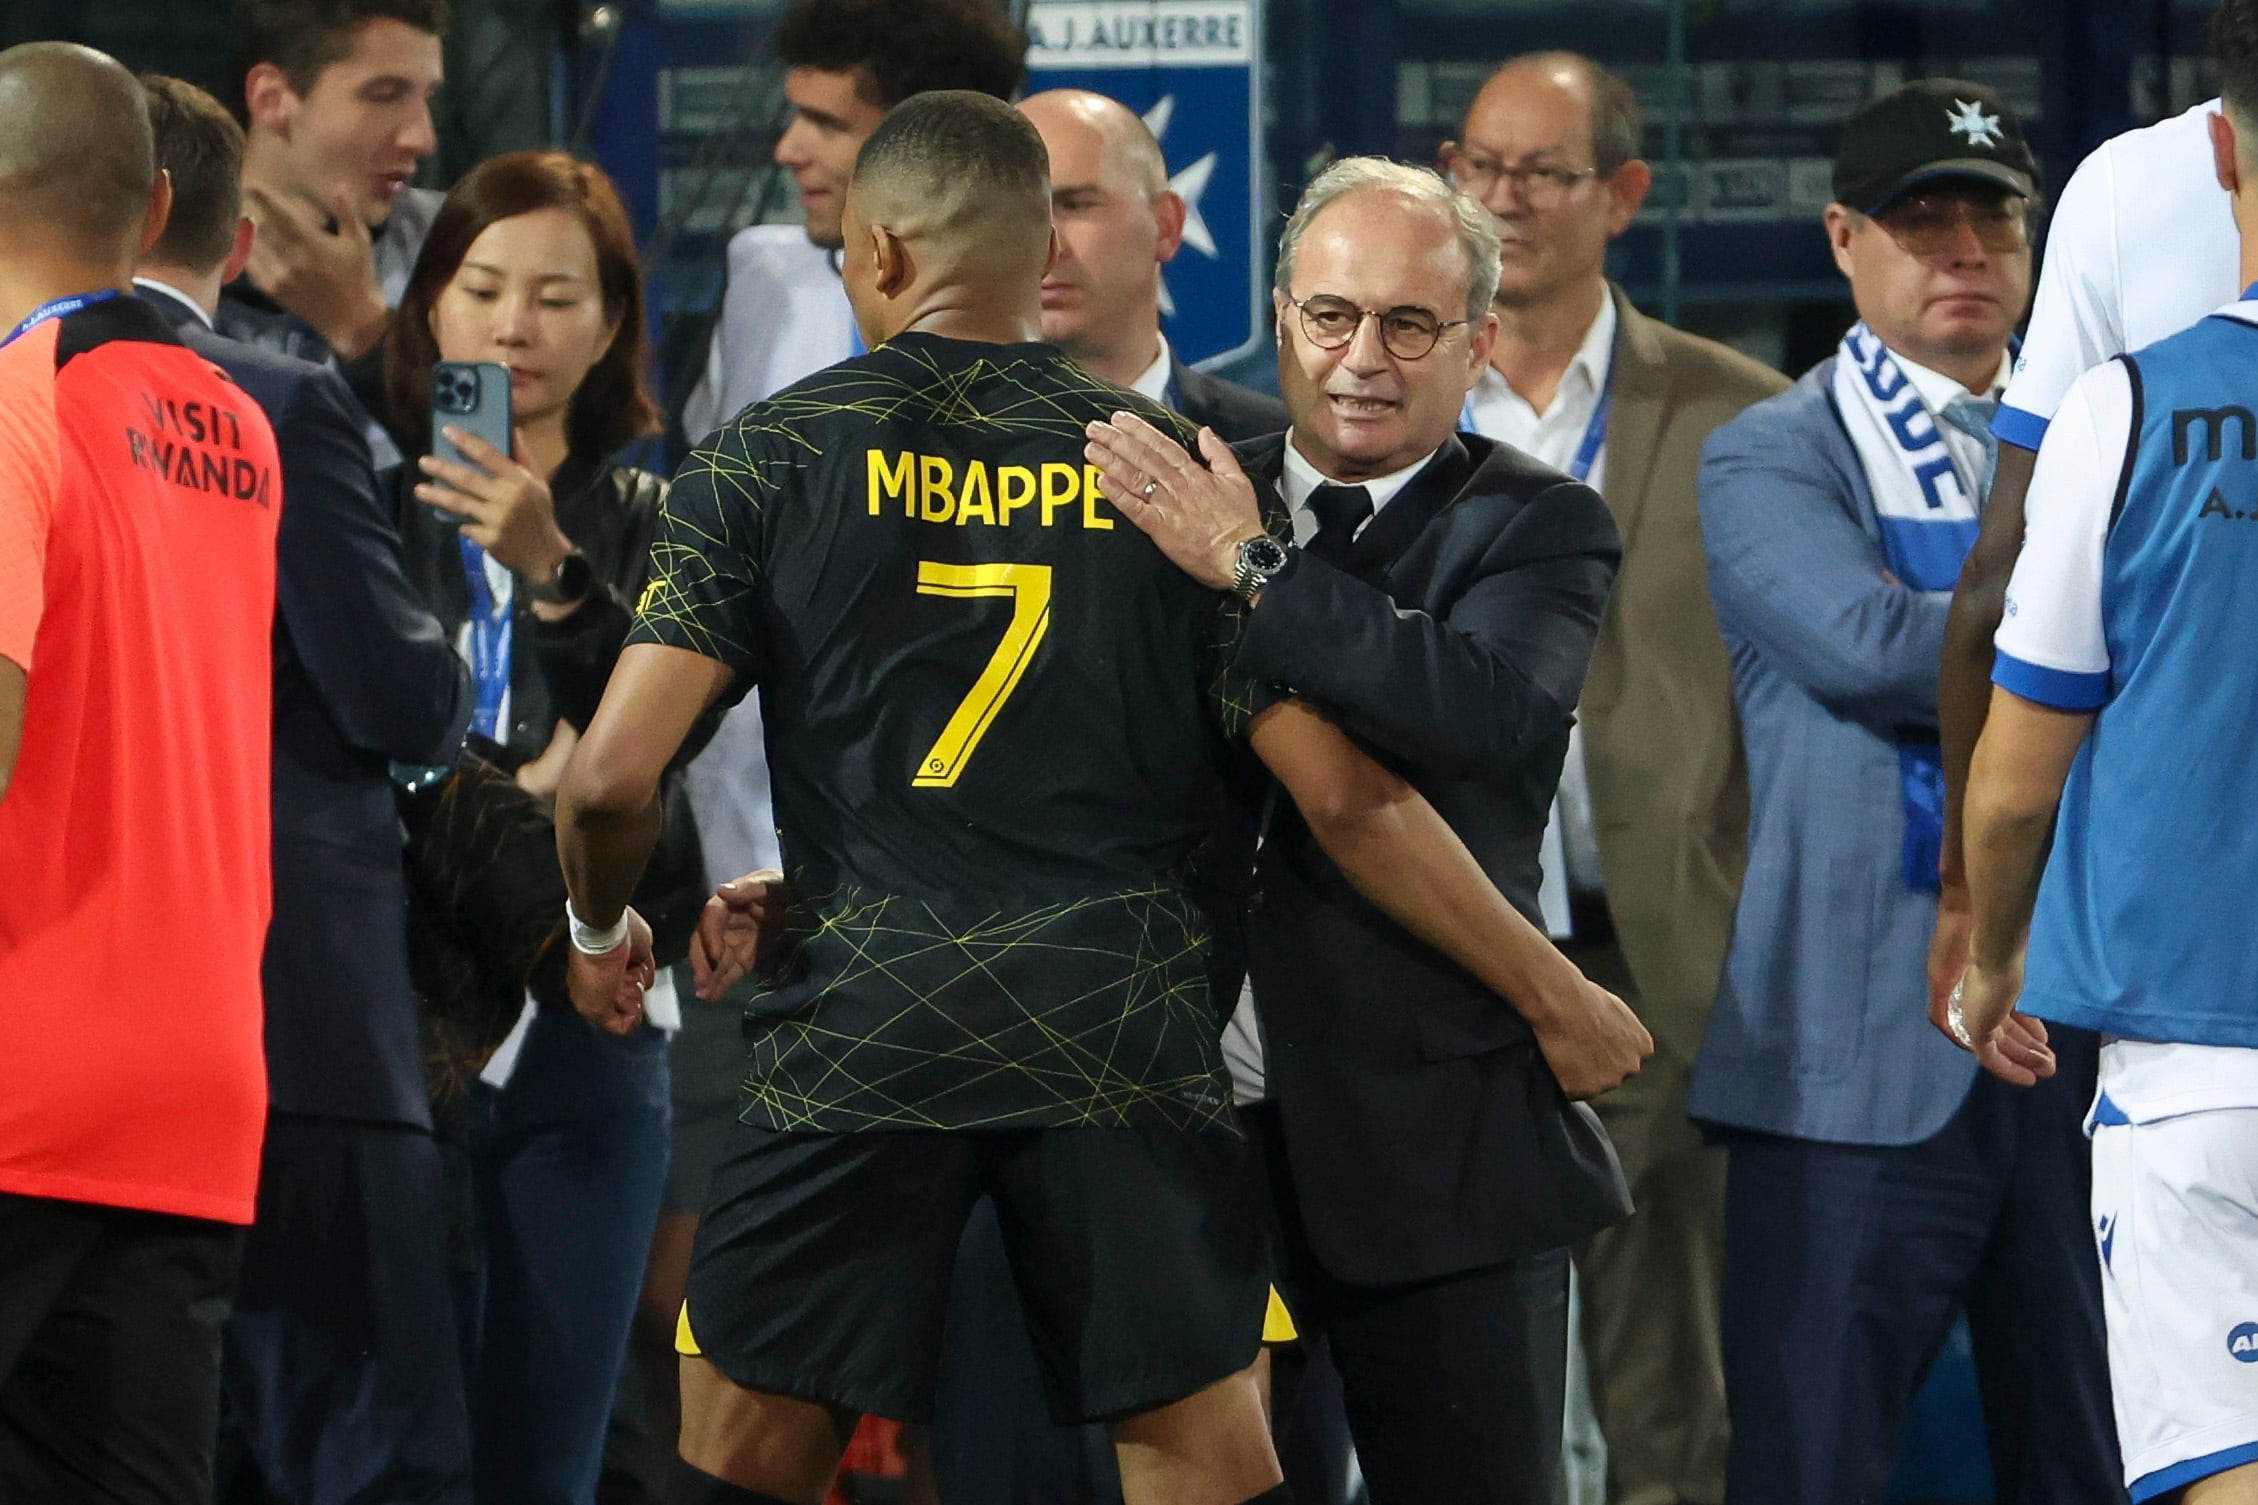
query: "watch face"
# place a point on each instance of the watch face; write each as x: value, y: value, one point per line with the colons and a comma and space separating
x: 1265, y: 556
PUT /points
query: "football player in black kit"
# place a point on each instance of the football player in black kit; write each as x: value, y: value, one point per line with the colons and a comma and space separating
x: 995, y: 720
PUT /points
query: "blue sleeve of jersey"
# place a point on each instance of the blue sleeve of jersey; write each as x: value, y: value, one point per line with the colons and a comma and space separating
x: 2016, y: 427
x: 2058, y: 688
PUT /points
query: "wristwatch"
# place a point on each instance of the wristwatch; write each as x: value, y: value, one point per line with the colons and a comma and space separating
x: 570, y: 582
x: 1261, y: 559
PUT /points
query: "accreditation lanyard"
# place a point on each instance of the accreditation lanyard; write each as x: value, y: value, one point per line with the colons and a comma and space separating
x: 60, y: 308
x: 1595, y: 432
x: 490, y: 632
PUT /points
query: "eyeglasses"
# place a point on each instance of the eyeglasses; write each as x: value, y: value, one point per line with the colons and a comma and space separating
x: 1928, y: 224
x: 1408, y: 332
x: 1542, y: 186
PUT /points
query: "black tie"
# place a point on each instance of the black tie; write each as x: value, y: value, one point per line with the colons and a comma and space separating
x: 1340, y: 511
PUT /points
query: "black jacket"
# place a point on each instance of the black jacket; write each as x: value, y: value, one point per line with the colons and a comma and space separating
x: 363, y: 674
x: 1233, y: 411
x: 609, y: 512
x: 1424, y: 1131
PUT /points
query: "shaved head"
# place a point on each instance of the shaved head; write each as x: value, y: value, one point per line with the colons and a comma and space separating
x: 77, y: 163
x: 1117, y: 224
x: 957, y: 175
x: 1125, y: 142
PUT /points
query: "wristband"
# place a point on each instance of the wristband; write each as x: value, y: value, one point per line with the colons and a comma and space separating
x: 589, y: 941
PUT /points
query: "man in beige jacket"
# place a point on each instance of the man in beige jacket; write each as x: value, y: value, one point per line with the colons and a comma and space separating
x: 1643, y: 867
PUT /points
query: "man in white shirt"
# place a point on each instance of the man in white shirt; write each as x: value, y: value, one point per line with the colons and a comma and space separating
x: 2106, y: 848
x: 1643, y: 857
x: 2141, y: 245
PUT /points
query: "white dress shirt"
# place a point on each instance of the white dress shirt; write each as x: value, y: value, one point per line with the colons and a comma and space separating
x: 1154, y: 382
x: 151, y: 284
x: 1242, y: 1037
x: 1569, y: 854
x: 1553, y: 436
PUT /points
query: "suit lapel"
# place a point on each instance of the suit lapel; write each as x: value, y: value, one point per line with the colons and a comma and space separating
x: 1639, y: 394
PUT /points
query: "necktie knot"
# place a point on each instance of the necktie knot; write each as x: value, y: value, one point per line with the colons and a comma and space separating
x: 1340, y: 511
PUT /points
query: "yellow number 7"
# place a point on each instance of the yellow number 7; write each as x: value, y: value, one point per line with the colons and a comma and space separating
x: 1029, y: 587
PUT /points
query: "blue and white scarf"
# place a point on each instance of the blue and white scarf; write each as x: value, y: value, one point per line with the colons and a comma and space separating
x: 1928, y: 505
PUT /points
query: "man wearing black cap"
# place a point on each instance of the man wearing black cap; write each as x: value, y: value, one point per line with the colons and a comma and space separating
x: 1879, y: 1184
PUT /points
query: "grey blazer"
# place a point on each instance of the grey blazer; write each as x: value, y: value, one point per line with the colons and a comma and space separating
x: 1820, y: 1029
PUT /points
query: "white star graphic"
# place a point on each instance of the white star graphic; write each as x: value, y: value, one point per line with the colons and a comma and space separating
x: 1967, y: 118
x: 1187, y: 185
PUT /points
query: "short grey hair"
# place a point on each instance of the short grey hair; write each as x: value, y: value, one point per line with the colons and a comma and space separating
x: 1471, y: 225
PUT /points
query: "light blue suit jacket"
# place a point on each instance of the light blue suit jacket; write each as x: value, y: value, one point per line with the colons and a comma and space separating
x: 1820, y: 1029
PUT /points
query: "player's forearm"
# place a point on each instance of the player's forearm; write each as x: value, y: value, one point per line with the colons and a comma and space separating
x: 1406, y: 860
x: 604, y: 839
x: 1979, y: 601
x: 2007, y: 826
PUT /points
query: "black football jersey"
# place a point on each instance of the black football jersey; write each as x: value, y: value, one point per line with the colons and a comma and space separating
x: 994, y: 712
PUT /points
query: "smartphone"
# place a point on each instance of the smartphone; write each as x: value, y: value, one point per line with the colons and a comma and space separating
x: 472, y: 395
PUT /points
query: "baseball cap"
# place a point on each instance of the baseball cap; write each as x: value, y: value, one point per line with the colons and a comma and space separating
x: 1933, y: 128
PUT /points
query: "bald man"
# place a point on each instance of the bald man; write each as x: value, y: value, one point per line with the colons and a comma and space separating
x: 1118, y: 223
x: 995, y: 728
x: 1653, y: 808
x: 139, y: 495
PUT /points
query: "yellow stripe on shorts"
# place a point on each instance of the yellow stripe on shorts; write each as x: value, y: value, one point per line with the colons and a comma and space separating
x: 686, y: 1344
x: 1277, y: 1322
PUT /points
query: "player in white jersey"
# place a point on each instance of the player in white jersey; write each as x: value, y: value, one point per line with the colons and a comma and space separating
x: 2112, y: 760
x: 2141, y: 245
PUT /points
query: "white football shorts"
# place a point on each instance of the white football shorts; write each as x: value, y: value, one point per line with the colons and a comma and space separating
x: 2175, y: 1210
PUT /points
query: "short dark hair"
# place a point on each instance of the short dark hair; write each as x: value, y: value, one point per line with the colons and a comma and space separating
x: 1615, y: 105
x: 960, y: 144
x: 613, y: 405
x: 200, y: 144
x: 302, y: 37
x: 2234, y: 47
x: 898, y: 48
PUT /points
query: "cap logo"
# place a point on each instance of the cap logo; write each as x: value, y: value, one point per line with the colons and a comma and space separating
x: 1967, y: 118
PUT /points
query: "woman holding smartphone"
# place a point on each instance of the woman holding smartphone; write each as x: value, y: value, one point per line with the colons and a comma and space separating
x: 536, y: 557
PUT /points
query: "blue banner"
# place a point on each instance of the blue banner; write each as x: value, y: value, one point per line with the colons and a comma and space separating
x: 1193, y: 69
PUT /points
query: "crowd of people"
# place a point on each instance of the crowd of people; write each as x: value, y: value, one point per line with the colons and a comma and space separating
x: 1145, y: 930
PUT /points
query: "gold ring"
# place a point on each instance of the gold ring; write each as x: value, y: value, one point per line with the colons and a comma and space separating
x: 1150, y: 488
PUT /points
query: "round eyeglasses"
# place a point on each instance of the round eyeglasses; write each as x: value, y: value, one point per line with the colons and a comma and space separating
x: 1408, y: 332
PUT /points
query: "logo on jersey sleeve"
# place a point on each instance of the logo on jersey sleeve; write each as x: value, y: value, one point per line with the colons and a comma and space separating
x: 2243, y: 1343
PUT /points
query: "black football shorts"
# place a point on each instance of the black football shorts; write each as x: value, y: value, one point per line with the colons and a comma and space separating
x: 822, y: 1265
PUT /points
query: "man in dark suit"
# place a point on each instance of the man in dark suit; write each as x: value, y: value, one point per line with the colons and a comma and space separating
x: 1118, y: 223
x: 1430, y: 1164
x: 341, y: 1369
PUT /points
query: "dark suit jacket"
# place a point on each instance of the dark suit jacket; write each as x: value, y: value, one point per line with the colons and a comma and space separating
x: 1424, y: 1131
x: 363, y: 674
x: 1234, y: 412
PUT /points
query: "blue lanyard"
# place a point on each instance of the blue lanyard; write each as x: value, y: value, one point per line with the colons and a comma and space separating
x: 59, y: 309
x: 1595, y: 432
x: 490, y: 632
